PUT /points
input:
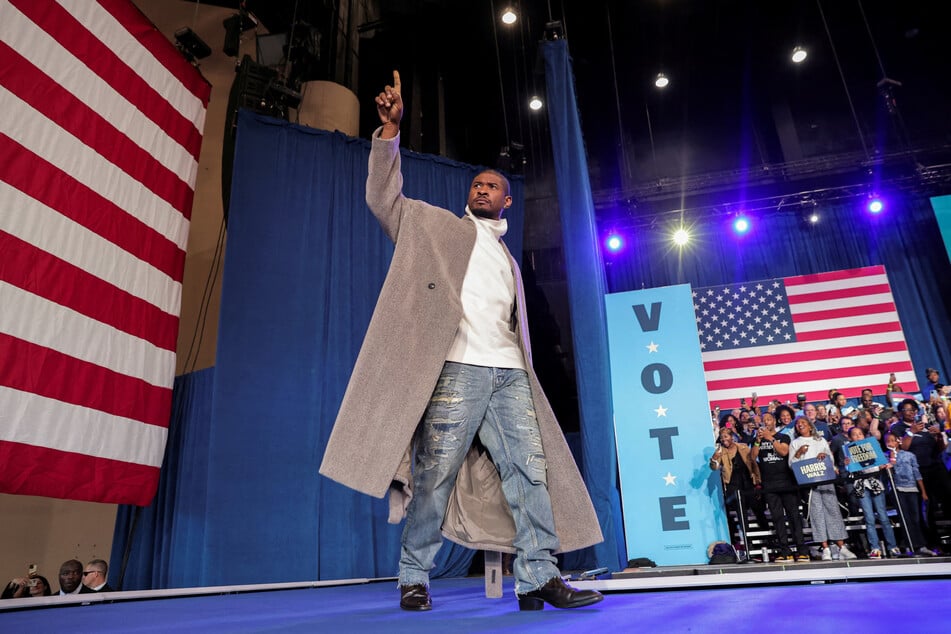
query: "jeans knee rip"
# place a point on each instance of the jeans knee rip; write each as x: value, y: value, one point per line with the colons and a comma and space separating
x: 536, y: 468
x: 441, y: 442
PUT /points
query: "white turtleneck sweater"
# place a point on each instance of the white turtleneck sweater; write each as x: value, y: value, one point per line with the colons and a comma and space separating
x: 486, y: 334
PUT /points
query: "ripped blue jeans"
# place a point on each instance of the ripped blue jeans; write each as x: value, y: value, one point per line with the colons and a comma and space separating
x: 496, y: 404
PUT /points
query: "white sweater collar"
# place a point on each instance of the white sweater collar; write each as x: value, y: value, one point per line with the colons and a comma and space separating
x: 496, y: 228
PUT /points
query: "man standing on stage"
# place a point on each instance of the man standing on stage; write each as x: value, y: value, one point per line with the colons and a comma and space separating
x: 446, y: 367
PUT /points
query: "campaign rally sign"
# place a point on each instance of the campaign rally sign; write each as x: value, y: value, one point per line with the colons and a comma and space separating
x: 672, y: 500
x: 814, y: 471
x: 864, y: 454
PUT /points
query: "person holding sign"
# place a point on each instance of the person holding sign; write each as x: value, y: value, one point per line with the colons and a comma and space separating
x: 867, y: 486
x: 824, y: 515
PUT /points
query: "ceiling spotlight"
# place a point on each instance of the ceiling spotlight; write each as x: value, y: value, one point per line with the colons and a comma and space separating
x: 681, y: 237
x: 813, y: 218
x: 875, y: 205
x: 614, y: 243
x: 799, y: 54
x: 661, y: 81
x: 741, y: 224
x: 509, y: 16
x: 535, y: 103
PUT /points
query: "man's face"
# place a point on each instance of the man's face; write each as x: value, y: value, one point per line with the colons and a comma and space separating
x: 488, y: 196
x: 93, y: 576
x: 840, y: 400
x: 809, y: 411
x: 866, y: 398
x: 69, y: 577
x: 933, y: 377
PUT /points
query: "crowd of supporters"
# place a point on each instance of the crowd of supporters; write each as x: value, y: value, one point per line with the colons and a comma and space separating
x: 757, y: 446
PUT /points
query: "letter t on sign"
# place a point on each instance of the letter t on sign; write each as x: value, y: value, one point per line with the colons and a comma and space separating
x: 663, y: 436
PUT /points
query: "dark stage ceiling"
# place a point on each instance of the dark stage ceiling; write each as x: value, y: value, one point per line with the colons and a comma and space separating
x: 735, y: 102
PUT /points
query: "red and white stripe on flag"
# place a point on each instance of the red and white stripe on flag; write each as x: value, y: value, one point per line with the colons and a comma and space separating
x: 100, y: 128
x: 804, y: 334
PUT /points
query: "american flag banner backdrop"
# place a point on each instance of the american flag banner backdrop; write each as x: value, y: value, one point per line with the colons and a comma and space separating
x: 803, y: 334
x: 100, y: 128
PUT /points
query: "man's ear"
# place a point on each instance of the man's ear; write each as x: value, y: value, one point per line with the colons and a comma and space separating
x: 508, y: 202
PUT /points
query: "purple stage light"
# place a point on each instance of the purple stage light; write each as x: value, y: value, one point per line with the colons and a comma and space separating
x: 614, y: 243
x: 875, y: 205
x: 741, y: 224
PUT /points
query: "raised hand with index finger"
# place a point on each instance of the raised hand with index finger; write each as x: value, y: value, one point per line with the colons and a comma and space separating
x: 389, y: 105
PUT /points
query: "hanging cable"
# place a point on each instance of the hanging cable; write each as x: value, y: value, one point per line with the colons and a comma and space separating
x: 871, y: 38
x: 205, y: 302
x: 848, y: 95
x: 530, y: 143
x: 498, y: 65
x: 886, y: 87
x: 617, y: 99
x: 290, y: 43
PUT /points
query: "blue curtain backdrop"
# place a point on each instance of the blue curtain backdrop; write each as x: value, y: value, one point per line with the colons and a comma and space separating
x: 905, y: 239
x: 586, y: 288
x: 305, y: 263
x: 168, y: 538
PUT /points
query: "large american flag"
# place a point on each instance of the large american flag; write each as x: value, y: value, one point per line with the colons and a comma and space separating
x: 804, y: 334
x: 100, y: 128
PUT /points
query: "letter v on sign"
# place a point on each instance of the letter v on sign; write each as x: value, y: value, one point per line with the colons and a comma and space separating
x: 651, y: 322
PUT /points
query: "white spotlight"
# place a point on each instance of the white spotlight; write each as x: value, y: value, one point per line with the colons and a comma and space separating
x: 681, y: 237
x: 799, y: 54
x: 535, y: 103
x: 661, y: 81
x: 813, y: 218
x: 509, y: 16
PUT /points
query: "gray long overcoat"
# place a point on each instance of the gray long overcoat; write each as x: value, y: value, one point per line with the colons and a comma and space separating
x: 410, y: 333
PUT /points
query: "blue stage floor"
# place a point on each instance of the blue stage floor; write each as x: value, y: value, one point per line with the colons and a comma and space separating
x: 460, y: 606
